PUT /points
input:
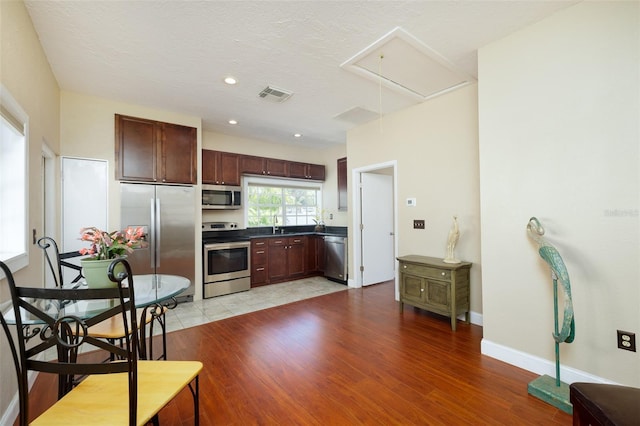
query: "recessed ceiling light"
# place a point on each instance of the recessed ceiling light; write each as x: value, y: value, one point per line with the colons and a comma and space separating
x: 230, y: 80
x: 297, y: 135
x: 233, y: 121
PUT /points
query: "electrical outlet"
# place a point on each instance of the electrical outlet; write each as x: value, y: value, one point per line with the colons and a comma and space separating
x: 627, y: 340
x: 418, y: 224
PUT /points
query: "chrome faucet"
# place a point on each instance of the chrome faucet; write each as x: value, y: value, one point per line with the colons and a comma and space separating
x: 275, y: 222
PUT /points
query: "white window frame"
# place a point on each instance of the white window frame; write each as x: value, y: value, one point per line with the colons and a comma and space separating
x: 17, y: 259
x: 276, y: 182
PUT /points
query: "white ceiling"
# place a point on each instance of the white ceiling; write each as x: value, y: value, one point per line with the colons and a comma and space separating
x: 173, y: 55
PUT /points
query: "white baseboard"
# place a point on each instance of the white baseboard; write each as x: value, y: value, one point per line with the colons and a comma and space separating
x: 536, y: 364
x: 474, y: 318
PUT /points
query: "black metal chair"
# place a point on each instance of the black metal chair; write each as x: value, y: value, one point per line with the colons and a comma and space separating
x: 130, y: 391
x: 110, y: 330
x: 57, y: 260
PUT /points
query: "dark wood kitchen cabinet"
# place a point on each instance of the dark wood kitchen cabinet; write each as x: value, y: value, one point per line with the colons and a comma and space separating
x: 253, y: 165
x: 287, y: 258
x: 153, y: 151
x: 220, y: 168
x: 306, y: 171
x: 342, y: 184
x: 259, y: 262
x: 315, y: 254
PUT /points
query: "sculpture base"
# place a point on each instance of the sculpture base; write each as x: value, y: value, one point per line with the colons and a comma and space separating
x: 544, y: 388
x: 447, y: 260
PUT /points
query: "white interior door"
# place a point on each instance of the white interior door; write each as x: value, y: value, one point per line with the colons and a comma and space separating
x: 377, y: 228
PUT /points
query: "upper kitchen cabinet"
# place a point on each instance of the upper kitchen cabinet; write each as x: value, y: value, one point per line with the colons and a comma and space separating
x: 220, y: 168
x: 342, y: 184
x: 153, y: 151
x: 263, y: 166
x: 306, y: 171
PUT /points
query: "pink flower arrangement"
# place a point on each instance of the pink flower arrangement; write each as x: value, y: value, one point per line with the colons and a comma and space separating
x: 105, y: 245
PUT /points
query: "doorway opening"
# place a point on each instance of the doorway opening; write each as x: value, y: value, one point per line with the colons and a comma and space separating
x: 375, y: 224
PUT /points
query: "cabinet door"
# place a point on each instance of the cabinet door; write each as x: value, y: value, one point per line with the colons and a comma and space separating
x: 438, y: 295
x: 278, y: 259
x: 297, y: 170
x: 136, y: 149
x: 342, y: 184
x: 209, y: 159
x: 412, y: 288
x: 179, y: 157
x: 228, y: 171
x: 316, y: 172
x: 312, y: 253
x: 315, y: 253
x: 296, y: 256
x: 276, y: 167
x: 252, y: 165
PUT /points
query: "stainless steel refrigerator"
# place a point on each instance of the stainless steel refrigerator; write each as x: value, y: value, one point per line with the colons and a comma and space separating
x: 167, y: 214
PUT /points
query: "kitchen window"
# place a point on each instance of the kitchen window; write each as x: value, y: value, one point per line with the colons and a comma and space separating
x: 289, y: 202
x: 13, y: 182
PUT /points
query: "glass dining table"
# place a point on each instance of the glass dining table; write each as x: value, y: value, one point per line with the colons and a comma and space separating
x: 151, y: 289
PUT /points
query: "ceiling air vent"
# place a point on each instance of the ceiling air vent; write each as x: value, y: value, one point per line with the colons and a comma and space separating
x: 274, y: 94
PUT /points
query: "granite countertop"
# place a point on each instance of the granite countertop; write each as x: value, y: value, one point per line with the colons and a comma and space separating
x: 281, y: 231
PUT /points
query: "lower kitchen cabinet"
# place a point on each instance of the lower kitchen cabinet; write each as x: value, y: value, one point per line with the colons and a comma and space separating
x: 287, y: 258
x: 433, y: 285
x: 259, y: 262
x: 280, y: 258
x: 315, y: 254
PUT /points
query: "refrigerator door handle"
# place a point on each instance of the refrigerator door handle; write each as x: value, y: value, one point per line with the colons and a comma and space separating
x: 152, y: 236
x: 157, y: 225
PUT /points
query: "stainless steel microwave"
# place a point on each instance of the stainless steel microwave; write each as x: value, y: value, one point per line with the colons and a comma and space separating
x: 219, y: 197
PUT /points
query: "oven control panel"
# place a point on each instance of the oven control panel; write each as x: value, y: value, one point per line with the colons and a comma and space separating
x: 219, y: 226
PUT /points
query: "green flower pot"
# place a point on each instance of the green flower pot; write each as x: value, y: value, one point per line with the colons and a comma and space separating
x: 96, y: 272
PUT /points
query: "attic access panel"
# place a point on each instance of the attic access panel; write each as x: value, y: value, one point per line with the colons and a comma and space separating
x: 402, y: 63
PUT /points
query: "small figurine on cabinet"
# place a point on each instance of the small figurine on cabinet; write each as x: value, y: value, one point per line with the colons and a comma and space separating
x: 454, y: 235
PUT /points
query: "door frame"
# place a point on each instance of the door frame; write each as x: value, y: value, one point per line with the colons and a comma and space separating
x: 355, y: 279
x: 49, y: 197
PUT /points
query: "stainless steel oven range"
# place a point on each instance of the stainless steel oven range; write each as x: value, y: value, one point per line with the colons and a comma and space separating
x: 226, y: 263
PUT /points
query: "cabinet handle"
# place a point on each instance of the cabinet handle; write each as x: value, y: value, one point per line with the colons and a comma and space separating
x: 404, y: 266
x: 259, y: 269
x: 422, y: 289
x: 260, y: 244
x: 260, y: 252
x: 296, y: 241
x: 442, y: 274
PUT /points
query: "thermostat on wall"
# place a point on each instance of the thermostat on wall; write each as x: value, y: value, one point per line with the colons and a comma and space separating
x: 411, y: 202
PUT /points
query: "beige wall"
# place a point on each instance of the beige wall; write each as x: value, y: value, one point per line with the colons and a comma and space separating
x: 435, y: 145
x: 25, y: 73
x: 87, y: 131
x: 559, y: 139
x: 328, y: 157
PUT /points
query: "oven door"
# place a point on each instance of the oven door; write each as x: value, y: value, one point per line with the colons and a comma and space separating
x: 226, y: 261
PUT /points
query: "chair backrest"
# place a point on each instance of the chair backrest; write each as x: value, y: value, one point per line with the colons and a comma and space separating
x: 56, y: 261
x: 60, y: 319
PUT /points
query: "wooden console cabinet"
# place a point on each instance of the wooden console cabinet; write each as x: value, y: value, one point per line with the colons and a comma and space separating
x: 430, y: 284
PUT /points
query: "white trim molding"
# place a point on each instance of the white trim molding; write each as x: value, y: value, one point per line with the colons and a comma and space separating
x: 536, y: 364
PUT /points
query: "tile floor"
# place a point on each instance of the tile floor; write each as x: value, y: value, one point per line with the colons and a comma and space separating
x: 190, y: 314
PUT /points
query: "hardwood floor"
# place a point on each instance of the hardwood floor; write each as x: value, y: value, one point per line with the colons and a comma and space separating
x: 343, y: 359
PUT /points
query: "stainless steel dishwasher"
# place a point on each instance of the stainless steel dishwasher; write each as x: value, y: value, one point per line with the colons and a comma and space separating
x: 335, y: 258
